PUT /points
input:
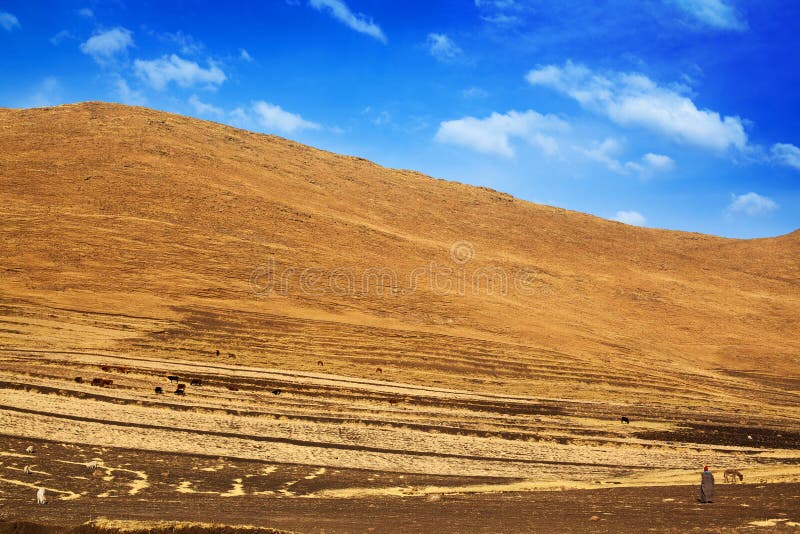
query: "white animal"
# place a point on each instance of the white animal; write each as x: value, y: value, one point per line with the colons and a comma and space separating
x: 26, y: 470
x: 40, y: 498
x: 92, y: 466
x: 30, y: 449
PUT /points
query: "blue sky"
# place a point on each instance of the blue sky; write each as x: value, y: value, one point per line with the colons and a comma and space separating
x: 678, y: 114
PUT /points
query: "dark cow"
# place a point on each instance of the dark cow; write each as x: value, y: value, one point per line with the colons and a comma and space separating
x: 79, y: 379
x: 379, y: 371
x: 231, y: 355
x: 195, y: 382
x: 217, y: 352
x: 319, y: 363
x: 233, y: 388
x: 159, y: 391
x: 105, y: 368
x: 625, y: 420
x: 102, y: 382
x: 173, y: 378
x: 182, y: 386
x: 276, y: 392
x: 180, y: 392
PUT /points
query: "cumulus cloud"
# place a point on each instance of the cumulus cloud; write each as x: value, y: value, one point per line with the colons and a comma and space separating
x: 8, y: 21
x: 60, y: 37
x: 356, y: 21
x: 649, y: 165
x: 187, y: 45
x: 502, y: 13
x: 127, y: 95
x: 45, y: 94
x: 786, y: 154
x: 635, y: 100
x: 105, y: 45
x: 751, y: 204
x: 716, y: 14
x: 634, y: 218
x: 202, y: 108
x: 492, y: 134
x: 442, y: 47
x: 606, y: 153
x: 474, y: 92
x: 245, y: 56
x: 185, y: 73
x: 86, y: 12
x: 271, y: 118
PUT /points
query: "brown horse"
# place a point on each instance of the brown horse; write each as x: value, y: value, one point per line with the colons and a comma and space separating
x: 731, y: 474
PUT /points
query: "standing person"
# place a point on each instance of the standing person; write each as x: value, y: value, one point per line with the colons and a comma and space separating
x: 707, y: 486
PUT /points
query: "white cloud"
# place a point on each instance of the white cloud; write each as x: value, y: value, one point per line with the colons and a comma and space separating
x: 635, y: 100
x: 633, y: 218
x: 502, y: 19
x: 202, y: 108
x: 492, y: 135
x: 442, y: 47
x: 45, y: 94
x: 185, y: 73
x: 60, y: 37
x: 245, y: 56
x: 127, y: 95
x: 751, y: 204
x: 474, y: 92
x: 86, y: 12
x: 8, y: 21
x: 786, y: 154
x: 659, y: 161
x: 270, y: 118
x: 187, y: 45
x: 105, y: 45
x: 606, y: 153
x: 713, y: 13
x: 356, y: 21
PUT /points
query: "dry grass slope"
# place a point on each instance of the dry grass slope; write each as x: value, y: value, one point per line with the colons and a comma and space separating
x: 130, y: 238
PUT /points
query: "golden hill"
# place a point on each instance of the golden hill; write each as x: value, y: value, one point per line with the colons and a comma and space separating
x: 131, y: 231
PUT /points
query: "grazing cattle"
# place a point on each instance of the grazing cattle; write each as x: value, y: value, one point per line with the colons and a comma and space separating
x: 159, y: 391
x: 26, y: 470
x: 30, y: 449
x: 231, y: 355
x: 233, y: 388
x: 105, y: 368
x: 40, y: 498
x: 276, y: 392
x: 79, y: 379
x: 108, y: 383
x: 195, y: 382
x: 92, y: 466
x: 731, y: 474
x: 379, y: 370
x: 123, y: 369
x: 173, y: 378
x: 217, y: 352
x: 182, y: 386
x: 625, y: 420
x: 319, y: 363
x: 180, y: 392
